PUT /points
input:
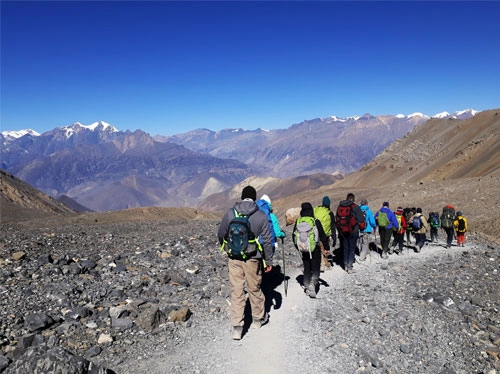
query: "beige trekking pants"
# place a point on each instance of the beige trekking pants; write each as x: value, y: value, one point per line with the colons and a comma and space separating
x: 249, y: 272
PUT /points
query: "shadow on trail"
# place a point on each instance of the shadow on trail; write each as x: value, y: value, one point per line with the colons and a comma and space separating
x: 321, y: 282
x: 271, y: 281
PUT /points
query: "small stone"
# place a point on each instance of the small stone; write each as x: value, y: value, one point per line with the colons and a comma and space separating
x: 17, y: 256
x: 104, y: 339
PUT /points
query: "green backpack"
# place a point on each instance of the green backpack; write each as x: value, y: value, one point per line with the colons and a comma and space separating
x: 306, y: 235
x: 382, y: 220
x: 447, y: 218
x: 323, y: 214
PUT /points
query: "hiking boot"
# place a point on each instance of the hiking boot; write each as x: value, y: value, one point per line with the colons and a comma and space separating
x: 258, y: 323
x: 351, y: 271
x: 384, y: 255
x: 237, y: 332
x: 312, y: 291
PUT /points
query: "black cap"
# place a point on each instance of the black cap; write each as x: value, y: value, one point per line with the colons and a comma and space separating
x: 306, y: 210
x: 249, y: 193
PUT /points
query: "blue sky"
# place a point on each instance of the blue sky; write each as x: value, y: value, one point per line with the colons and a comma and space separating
x: 169, y: 67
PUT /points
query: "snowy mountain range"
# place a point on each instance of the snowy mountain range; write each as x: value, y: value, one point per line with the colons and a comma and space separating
x: 74, y: 128
x: 103, y: 168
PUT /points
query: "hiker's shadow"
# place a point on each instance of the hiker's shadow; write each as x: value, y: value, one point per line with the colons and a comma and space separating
x: 270, y: 281
x: 321, y: 282
x: 274, y: 299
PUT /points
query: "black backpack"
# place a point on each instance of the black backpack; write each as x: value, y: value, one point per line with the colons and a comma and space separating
x: 447, y: 218
x: 240, y: 242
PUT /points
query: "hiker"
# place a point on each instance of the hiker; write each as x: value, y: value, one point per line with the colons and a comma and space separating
x: 447, y: 217
x: 460, y: 224
x: 399, y: 231
x: 327, y: 219
x: 348, y: 220
x: 249, y: 270
x: 272, y: 279
x: 420, y: 227
x: 435, y: 224
x: 408, y: 213
x: 365, y: 235
x: 280, y: 234
x: 386, y: 220
x: 311, y: 258
x: 265, y: 206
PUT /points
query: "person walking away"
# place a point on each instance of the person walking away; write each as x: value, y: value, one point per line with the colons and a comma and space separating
x: 408, y: 213
x: 420, y: 227
x: 435, y: 224
x: 460, y: 224
x: 327, y: 219
x: 307, y: 235
x: 266, y: 208
x: 348, y: 220
x: 447, y: 217
x: 365, y: 235
x: 272, y: 279
x: 278, y: 232
x: 247, y: 270
x: 399, y: 232
x: 386, y: 220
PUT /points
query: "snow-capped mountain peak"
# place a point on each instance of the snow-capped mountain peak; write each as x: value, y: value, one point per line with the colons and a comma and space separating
x: 441, y: 115
x: 417, y: 114
x: 96, y: 126
x: 19, y: 133
x: 461, y: 114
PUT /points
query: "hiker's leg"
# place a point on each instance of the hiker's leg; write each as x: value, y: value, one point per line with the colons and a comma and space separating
x: 237, y: 282
x: 351, y: 240
x: 253, y: 275
x: 449, y: 237
x: 306, y: 260
x: 363, y: 243
x: 315, y: 268
x: 345, y: 247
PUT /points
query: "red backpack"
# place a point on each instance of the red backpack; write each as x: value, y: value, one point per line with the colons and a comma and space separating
x: 344, y: 219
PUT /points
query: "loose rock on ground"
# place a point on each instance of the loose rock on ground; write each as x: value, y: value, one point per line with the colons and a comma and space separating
x: 154, y: 297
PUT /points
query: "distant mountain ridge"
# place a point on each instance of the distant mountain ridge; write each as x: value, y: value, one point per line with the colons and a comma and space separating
x: 103, y: 168
x: 322, y: 145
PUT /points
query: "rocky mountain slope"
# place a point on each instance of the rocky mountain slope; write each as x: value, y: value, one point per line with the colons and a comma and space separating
x: 19, y: 200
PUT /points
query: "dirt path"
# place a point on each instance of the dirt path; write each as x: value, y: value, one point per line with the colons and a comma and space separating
x: 275, y: 348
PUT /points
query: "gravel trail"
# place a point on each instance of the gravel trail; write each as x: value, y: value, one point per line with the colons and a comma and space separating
x: 414, y: 313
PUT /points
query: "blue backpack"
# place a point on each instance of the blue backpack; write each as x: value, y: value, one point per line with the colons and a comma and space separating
x: 417, y: 223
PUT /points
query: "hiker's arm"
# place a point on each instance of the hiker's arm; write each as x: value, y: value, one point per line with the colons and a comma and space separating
x: 265, y: 235
x: 322, y: 236
x: 223, y: 226
x: 333, y: 228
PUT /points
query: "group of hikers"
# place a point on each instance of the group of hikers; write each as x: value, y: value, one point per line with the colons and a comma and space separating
x: 249, y: 233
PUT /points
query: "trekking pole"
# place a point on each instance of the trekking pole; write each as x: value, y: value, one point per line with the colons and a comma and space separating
x: 285, y: 281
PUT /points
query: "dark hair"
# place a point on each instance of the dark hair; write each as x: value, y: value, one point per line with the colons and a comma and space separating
x: 350, y: 196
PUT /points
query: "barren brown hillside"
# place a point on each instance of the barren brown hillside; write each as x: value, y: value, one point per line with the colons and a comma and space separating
x: 442, y: 161
x: 19, y: 200
x: 439, y: 149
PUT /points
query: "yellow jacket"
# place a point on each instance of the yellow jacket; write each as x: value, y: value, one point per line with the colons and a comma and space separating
x: 455, y: 223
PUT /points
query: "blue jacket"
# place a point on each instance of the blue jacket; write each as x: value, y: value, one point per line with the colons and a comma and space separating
x: 264, y: 206
x: 393, y: 221
x: 371, y: 224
